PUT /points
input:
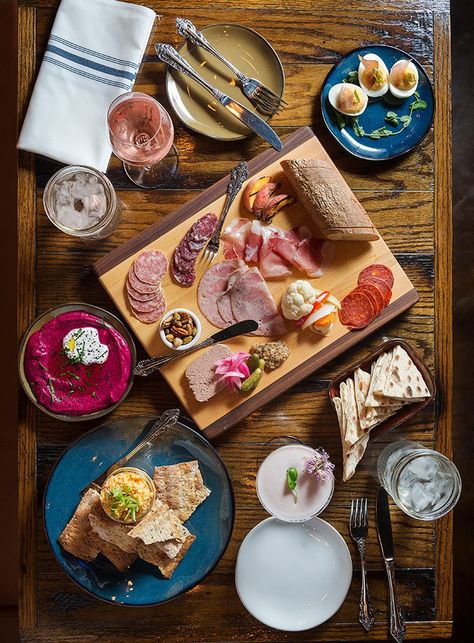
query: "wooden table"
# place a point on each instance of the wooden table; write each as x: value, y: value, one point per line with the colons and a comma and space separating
x: 410, y: 203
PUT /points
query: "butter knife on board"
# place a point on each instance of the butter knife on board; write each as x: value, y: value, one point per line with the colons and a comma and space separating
x: 171, y: 57
x: 384, y: 531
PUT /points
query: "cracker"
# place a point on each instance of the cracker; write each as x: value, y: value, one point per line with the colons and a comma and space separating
x: 379, y: 372
x: 152, y: 554
x: 181, y: 487
x: 77, y: 537
x: 161, y: 523
x: 352, y: 428
x: 404, y: 382
x: 353, y: 456
x: 114, y: 533
x: 119, y: 558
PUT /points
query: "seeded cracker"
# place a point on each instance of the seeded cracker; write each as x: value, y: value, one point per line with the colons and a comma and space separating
x: 152, y: 554
x: 181, y: 487
x: 160, y: 524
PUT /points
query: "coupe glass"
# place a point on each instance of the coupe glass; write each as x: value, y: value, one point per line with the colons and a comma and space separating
x: 141, y: 133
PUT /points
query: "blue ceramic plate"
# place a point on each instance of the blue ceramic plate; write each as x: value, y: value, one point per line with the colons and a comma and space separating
x: 212, y: 522
x: 374, y: 116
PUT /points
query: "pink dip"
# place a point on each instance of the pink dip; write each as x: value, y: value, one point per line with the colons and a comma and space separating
x: 66, y: 388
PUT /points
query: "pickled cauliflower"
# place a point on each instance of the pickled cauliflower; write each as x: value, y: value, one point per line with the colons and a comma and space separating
x: 298, y: 299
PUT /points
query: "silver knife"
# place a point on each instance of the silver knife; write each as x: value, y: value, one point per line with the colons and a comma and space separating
x: 384, y: 531
x: 170, y: 56
x: 147, y: 366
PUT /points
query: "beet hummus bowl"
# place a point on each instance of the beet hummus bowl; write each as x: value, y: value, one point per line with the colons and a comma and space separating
x: 76, y: 362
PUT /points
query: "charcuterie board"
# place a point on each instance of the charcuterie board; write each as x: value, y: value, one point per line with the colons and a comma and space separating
x: 308, y: 351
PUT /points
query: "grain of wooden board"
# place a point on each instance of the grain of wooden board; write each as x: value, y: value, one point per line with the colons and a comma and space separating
x: 308, y: 351
x: 409, y: 202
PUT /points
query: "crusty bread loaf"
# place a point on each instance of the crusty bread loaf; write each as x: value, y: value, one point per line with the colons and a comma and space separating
x: 329, y: 200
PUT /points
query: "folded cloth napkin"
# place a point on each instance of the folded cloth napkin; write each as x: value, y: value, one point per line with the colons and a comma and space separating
x: 93, y: 55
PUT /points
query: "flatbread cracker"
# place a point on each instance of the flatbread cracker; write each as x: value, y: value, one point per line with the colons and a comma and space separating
x: 352, y: 457
x: 152, y: 554
x: 114, y: 533
x: 161, y: 523
x: 352, y: 428
x: 77, y: 537
x: 380, y: 372
x: 119, y: 558
x: 181, y: 487
x: 404, y: 381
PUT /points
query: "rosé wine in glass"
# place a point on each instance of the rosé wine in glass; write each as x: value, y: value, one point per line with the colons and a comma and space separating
x: 141, y: 133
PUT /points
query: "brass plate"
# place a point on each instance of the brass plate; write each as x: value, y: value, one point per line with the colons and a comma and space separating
x: 244, y: 48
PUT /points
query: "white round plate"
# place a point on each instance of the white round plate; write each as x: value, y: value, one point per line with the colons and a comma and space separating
x: 291, y: 576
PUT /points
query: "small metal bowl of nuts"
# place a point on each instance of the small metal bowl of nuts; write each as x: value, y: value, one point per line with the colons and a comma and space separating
x: 180, y: 329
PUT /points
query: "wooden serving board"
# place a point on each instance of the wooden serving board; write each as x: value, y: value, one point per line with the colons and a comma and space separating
x: 308, y: 350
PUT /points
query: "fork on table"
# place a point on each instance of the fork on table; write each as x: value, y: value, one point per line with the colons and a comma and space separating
x: 238, y: 175
x: 261, y: 96
x: 358, y: 527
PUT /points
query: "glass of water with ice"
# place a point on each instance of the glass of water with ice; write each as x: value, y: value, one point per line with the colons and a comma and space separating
x: 423, y: 483
x: 81, y: 201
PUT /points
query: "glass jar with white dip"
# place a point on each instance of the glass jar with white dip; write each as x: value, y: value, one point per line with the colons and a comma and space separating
x: 82, y: 202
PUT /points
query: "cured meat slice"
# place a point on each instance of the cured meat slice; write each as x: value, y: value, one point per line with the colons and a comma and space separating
x: 375, y: 296
x: 150, y: 266
x: 152, y: 316
x: 147, y: 306
x: 379, y: 271
x: 271, y: 264
x: 383, y: 287
x: 254, y: 242
x: 309, y: 257
x: 356, y: 310
x: 202, y: 229
x: 251, y: 299
x: 213, y: 283
x: 141, y: 286
x: 224, y: 304
x: 136, y: 294
x: 185, y: 251
x: 188, y: 249
x: 235, y: 238
x: 183, y: 277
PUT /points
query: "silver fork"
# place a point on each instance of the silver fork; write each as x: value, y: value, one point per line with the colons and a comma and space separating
x: 238, y: 175
x: 358, y: 527
x: 267, y: 101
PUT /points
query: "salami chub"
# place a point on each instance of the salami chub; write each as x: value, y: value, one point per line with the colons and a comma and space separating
x: 372, y: 294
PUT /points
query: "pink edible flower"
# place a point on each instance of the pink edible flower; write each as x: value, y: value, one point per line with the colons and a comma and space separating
x: 233, y: 370
x: 319, y: 465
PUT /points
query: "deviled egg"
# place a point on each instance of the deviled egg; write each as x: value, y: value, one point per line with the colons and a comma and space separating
x: 403, y: 79
x: 373, y: 75
x: 348, y: 99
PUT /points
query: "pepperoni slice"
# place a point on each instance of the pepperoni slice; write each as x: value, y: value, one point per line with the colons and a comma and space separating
x: 378, y: 271
x: 356, y: 310
x: 385, y: 290
x: 374, y: 295
x: 150, y: 266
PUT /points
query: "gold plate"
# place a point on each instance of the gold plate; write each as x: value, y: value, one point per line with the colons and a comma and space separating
x: 250, y: 53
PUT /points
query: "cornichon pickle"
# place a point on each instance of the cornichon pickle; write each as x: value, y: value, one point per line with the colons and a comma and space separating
x: 253, y: 361
x: 252, y: 380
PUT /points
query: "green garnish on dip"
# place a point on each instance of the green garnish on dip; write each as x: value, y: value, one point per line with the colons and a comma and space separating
x: 123, y: 505
x: 291, y: 480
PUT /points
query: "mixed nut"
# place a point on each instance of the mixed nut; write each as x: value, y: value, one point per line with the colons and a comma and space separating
x: 179, y: 328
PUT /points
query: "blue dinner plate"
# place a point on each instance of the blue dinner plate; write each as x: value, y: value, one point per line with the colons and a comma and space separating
x: 211, y: 523
x: 374, y: 116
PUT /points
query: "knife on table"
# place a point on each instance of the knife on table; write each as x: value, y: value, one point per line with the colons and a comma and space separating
x: 170, y: 56
x: 147, y: 366
x: 384, y: 531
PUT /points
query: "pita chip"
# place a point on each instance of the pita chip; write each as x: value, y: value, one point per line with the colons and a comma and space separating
x: 380, y: 373
x: 353, y: 456
x: 77, y: 537
x: 404, y: 381
x: 152, y: 554
x: 353, y: 431
x: 181, y: 487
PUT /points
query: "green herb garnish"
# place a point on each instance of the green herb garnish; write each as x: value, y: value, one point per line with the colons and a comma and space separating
x: 352, y: 77
x: 122, y: 501
x: 52, y: 392
x: 76, y: 377
x: 357, y: 127
x: 291, y: 478
x: 392, y: 118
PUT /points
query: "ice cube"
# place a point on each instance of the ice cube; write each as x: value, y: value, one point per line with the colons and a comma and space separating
x: 424, y: 468
x: 418, y: 498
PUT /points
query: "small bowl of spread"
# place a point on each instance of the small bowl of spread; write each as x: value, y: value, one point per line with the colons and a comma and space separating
x: 127, y: 495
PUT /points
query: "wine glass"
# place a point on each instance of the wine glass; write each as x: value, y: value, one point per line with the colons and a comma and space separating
x: 141, y: 133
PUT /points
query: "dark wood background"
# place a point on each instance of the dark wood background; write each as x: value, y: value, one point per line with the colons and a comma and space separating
x: 409, y: 201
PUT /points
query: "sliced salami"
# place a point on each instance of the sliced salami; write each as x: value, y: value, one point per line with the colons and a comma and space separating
x: 150, y: 266
x: 188, y: 249
x: 382, y: 286
x: 136, y: 294
x: 141, y: 286
x: 184, y: 278
x: 374, y: 295
x: 379, y: 271
x: 356, y: 310
x: 147, y: 306
x: 184, y: 250
x: 151, y: 317
x: 202, y: 229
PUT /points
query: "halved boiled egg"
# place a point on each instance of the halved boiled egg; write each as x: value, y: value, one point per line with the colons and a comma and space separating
x: 348, y: 99
x: 373, y: 75
x: 403, y: 79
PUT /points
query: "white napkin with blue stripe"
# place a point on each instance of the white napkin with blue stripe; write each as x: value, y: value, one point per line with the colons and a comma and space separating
x: 93, y: 55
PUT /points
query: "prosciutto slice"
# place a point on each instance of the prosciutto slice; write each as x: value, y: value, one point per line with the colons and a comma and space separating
x: 213, y: 283
x: 235, y: 238
x: 254, y: 242
x: 272, y: 264
x: 251, y: 299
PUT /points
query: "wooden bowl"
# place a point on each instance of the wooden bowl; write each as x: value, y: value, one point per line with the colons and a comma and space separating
x: 408, y: 410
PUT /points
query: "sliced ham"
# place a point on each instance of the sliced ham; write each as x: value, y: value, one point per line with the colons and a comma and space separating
x: 213, y: 283
x: 254, y: 241
x: 251, y: 299
x: 224, y: 305
x: 235, y: 238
